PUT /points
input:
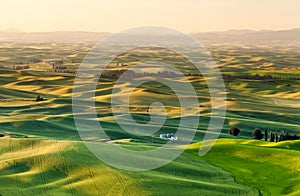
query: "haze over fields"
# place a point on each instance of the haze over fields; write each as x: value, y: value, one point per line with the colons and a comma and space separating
x: 240, y: 36
x: 153, y: 111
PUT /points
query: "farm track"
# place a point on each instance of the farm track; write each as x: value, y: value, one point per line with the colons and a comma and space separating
x: 16, y: 172
x: 40, y: 160
x: 119, y: 188
x: 92, y: 176
x: 71, y: 188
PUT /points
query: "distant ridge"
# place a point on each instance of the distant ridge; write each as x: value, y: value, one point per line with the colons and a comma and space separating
x: 250, y: 35
x: 12, y: 30
x: 234, y: 35
x: 15, y: 35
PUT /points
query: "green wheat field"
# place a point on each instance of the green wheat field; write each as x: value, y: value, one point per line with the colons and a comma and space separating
x: 41, y: 152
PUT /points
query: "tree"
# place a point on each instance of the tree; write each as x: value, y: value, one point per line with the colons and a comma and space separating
x: 281, y: 137
x: 286, y: 135
x: 234, y: 131
x: 266, y: 134
x: 257, y: 134
x: 39, y: 98
x: 272, y: 138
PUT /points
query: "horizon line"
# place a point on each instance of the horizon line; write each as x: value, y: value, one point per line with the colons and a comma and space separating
x: 16, y: 30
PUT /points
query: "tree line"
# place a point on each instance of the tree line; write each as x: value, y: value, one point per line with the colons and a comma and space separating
x: 272, y: 136
x: 259, y: 77
x: 251, y: 77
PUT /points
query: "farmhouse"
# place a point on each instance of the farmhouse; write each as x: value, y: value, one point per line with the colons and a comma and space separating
x: 20, y: 66
x: 169, y: 136
x: 60, y: 68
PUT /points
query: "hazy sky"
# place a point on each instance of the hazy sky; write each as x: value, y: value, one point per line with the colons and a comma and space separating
x: 115, y: 15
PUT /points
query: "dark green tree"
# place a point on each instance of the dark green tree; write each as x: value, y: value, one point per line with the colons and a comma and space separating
x: 234, y: 131
x: 266, y: 134
x: 257, y: 134
x: 272, y: 138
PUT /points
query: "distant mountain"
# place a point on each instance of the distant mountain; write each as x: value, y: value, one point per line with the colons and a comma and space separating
x: 249, y: 36
x: 212, y: 37
x: 12, y: 30
x: 15, y: 35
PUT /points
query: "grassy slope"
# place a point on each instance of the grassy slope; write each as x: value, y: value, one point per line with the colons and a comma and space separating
x: 47, y: 167
x: 34, y: 166
x: 273, y: 168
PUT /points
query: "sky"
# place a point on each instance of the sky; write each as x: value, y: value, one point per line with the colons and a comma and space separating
x: 116, y: 15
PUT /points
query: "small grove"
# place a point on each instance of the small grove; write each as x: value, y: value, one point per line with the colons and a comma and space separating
x: 272, y: 136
